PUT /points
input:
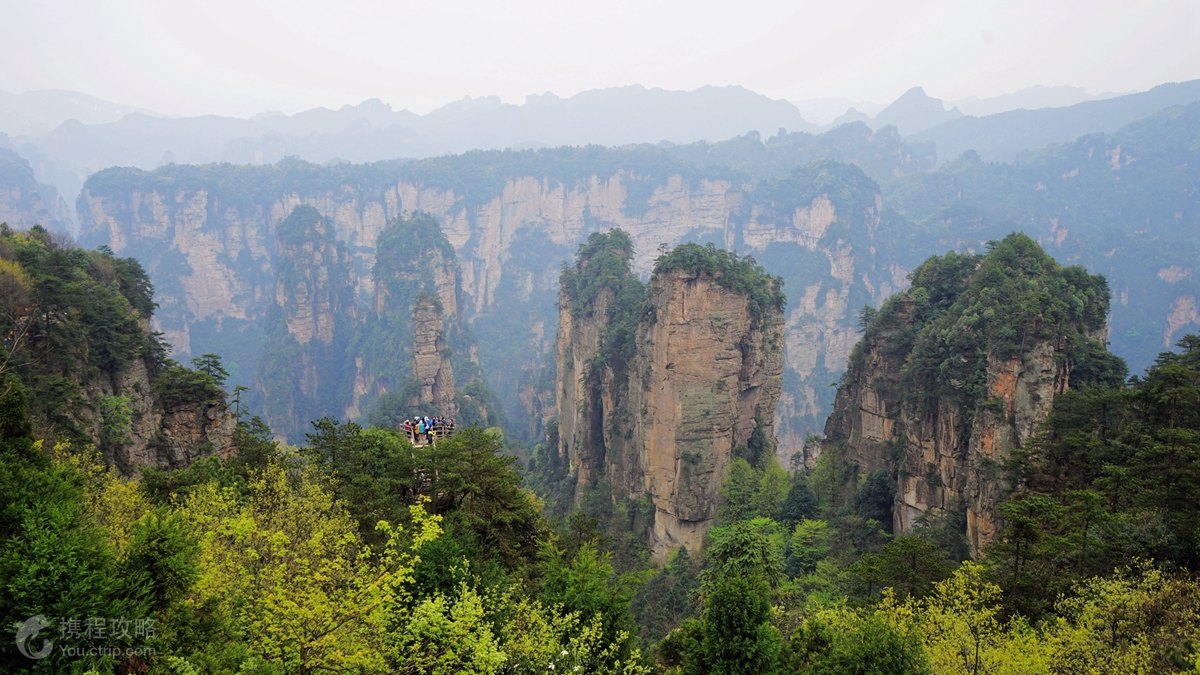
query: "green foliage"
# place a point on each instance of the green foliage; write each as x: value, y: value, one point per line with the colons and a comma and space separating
x: 997, y: 305
x: 870, y: 645
x: 467, y: 479
x: 602, y: 262
x: 667, y: 598
x: 737, y: 273
x: 55, y: 561
x: 800, y: 502
x: 587, y: 585
x: 874, y: 499
x: 165, y: 551
x: 210, y: 365
x: 176, y: 385
x: 809, y: 545
x: 908, y: 564
x: 448, y: 635
x: 737, y: 492
x: 602, y: 266
x: 15, y: 428
x: 79, y: 317
x: 116, y: 416
x: 746, y: 547
x: 737, y: 636
x: 75, y: 325
x: 1111, y: 478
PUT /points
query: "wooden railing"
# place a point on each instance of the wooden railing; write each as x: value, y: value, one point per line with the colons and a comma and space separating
x: 431, y: 437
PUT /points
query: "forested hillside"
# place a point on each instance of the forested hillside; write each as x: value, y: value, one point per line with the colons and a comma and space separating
x: 358, y: 551
x: 77, y: 338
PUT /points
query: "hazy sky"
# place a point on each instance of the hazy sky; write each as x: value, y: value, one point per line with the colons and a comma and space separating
x: 246, y: 56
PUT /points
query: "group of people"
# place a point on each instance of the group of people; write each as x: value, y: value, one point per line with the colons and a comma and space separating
x: 423, y: 430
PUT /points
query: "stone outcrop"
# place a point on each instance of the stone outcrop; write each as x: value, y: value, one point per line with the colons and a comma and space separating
x: 417, y: 286
x: 944, y: 453
x: 947, y: 460
x: 706, y: 375
x: 701, y: 385
x: 431, y: 366
x: 213, y: 247
x: 24, y: 202
x: 306, y: 338
x: 162, y: 433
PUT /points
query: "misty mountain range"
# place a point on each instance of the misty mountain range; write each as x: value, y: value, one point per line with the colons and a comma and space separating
x: 67, y: 136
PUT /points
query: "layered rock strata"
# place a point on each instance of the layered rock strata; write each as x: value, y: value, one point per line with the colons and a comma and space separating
x: 701, y: 385
x: 211, y: 245
x: 706, y: 375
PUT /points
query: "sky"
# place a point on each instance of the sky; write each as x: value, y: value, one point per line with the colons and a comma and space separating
x: 241, y: 57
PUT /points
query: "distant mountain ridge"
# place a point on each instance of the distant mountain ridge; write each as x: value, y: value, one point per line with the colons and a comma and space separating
x: 913, y: 112
x: 36, y: 112
x: 371, y: 131
x: 1003, y: 136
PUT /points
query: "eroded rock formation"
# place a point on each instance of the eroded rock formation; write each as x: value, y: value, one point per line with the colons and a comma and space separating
x: 657, y: 393
x: 431, y: 366
x: 211, y: 245
x: 707, y: 374
x: 937, y: 398
x: 308, y: 337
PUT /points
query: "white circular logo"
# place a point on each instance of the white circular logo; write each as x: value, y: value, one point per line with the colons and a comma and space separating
x: 28, y: 631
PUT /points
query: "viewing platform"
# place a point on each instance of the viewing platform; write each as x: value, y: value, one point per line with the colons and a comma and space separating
x: 436, y: 432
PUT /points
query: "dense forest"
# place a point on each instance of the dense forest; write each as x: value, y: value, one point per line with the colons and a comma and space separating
x: 355, y: 551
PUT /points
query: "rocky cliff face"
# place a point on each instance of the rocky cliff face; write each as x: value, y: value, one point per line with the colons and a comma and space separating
x: 210, y: 247
x: 24, y: 202
x: 431, y: 365
x: 947, y: 460
x: 939, y: 434
x: 658, y: 398
x: 162, y: 432
x: 706, y: 376
x: 581, y: 406
x: 416, y: 332
x: 21, y: 207
x: 76, y: 329
x: 309, y: 332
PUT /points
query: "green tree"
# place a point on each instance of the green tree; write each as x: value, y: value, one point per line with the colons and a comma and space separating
x: 165, y: 551
x: 737, y: 633
x: 752, y: 546
x: 588, y: 585
x: 210, y: 365
x: 911, y: 565
x: 800, y: 503
x: 809, y: 545
x: 737, y: 492
x: 869, y: 645
x: 447, y: 635
x: 288, y: 564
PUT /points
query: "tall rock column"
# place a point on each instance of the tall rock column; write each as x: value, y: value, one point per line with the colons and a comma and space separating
x: 431, y: 358
x: 659, y: 388
x: 706, y: 377
x: 581, y: 414
x: 308, y: 335
x: 955, y: 374
x: 415, y: 349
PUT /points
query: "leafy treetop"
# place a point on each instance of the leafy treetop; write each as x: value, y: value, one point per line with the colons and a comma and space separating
x: 741, y: 274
